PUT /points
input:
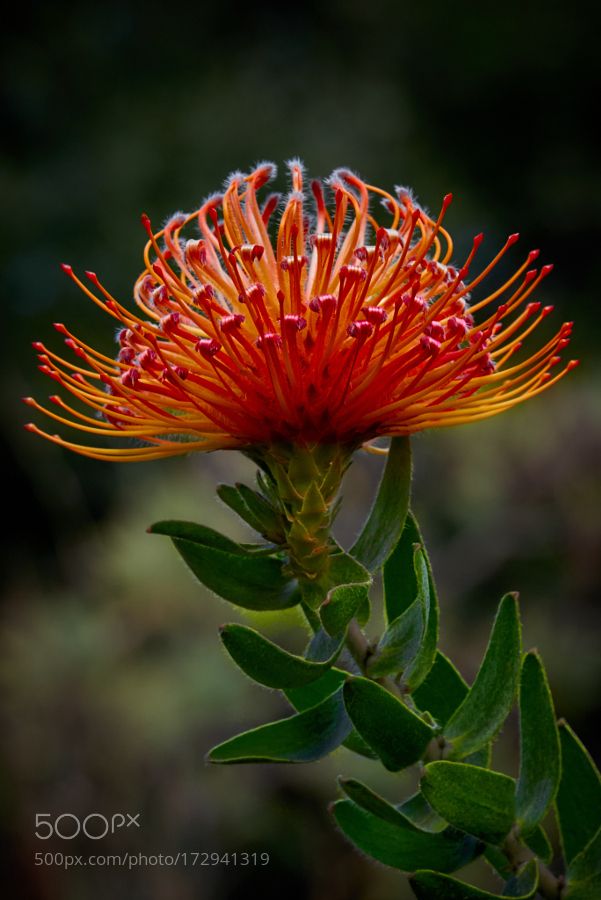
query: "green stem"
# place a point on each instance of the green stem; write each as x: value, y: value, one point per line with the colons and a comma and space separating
x: 360, y: 649
x: 550, y: 886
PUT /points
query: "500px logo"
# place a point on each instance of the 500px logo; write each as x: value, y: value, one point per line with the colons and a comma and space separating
x: 95, y: 826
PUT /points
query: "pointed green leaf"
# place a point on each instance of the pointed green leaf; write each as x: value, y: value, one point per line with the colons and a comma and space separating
x: 578, y: 800
x: 539, y: 843
x: 346, y: 570
x: 384, y: 524
x: 368, y: 800
x: 397, y: 735
x: 341, y: 605
x: 401, y: 642
x: 442, y: 691
x: 395, y: 842
x: 265, y: 662
x: 423, y: 661
x: 473, y: 799
x: 539, y: 746
x: 231, y: 496
x: 304, y: 737
x: 356, y: 744
x: 483, y: 711
x: 198, y: 534
x: 584, y: 872
x: 420, y: 813
x: 585, y: 890
x: 309, y: 695
x: 230, y: 571
x: 400, y: 583
x: 315, y: 692
x: 434, y: 886
x: 253, y: 509
x: 322, y: 647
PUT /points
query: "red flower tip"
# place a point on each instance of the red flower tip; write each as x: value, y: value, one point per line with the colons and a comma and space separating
x: 92, y: 276
x: 325, y: 304
x: 546, y: 270
x: 360, y: 330
x: 271, y: 339
x: 67, y: 269
x: 512, y: 239
x: 375, y: 314
x: 429, y: 345
x: 169, y: 322
x: 573, y: 363
x: 146, y: 223
x: 231, y: 323
x: 37, y: 345
x: 28, y: 401
x: 208, y: 347
x: 294, y: 323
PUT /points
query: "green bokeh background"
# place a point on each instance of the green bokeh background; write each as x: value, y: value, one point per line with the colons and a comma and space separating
x: 113, y: 681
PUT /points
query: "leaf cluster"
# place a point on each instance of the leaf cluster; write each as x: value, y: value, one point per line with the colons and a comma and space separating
x: 401, y: 702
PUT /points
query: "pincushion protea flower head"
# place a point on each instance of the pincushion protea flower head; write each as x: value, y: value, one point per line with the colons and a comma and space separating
x: 331, y: 328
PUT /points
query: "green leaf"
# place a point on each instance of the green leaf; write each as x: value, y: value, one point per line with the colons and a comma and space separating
x: 356, y: 744
x: 398, y: 576
x: 397, y: 735
x: 346, y: 570
x: 442, y: 691
x: 231, y: 496
x: 420, y: 813
x: 578, y: 800
x: 265, y: 662
x: 483, y: 711
x: 311, y: 694
x: 423, y: 661
x: 230, y: 571
x: 540, y: 765
x: 584, y: 872
x: 341, y: 605
x: 394, y: 841
x: 322, y: 647
x: 315, y: 692
x: 252, y: 509
x: 199, y: 534
x: 473, y: 799
x: 400, y: 642
x: 434, y: 886
x: 304, y: 737
x: 585, y: 890
x: 368, y: 800
x: 384, y: 524
x: 539, y: 843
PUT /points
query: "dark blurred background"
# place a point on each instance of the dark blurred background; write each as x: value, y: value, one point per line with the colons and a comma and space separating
x: 113, y: 681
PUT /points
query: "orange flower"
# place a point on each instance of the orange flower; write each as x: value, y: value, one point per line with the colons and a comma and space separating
x: 336, y: 329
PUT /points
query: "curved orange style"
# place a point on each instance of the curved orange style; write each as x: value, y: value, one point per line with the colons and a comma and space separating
x: 332, y: 327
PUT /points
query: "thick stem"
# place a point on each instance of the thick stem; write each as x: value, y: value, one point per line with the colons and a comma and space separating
x: 550, y: 886
x: 360, y: 649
